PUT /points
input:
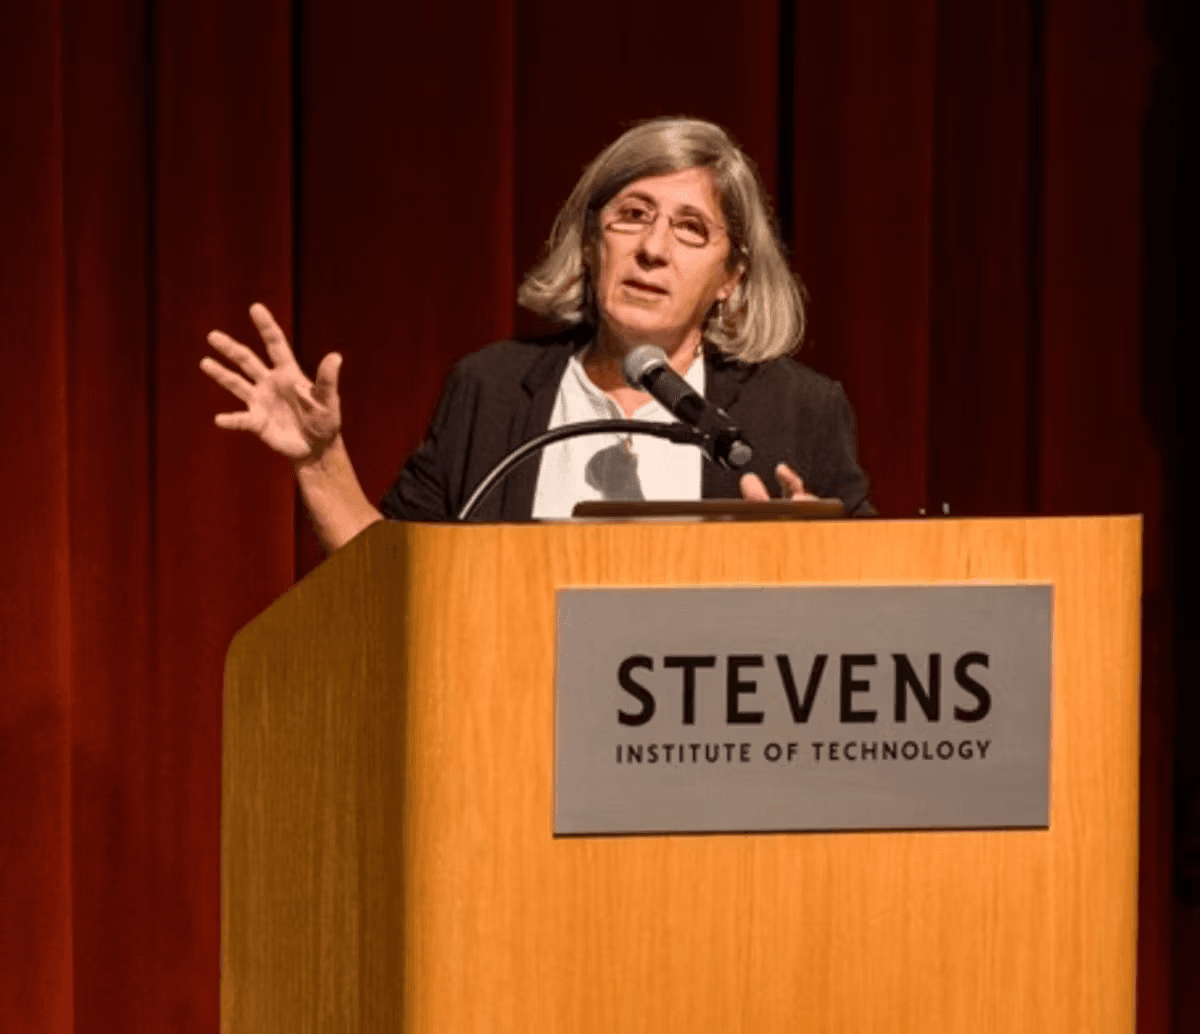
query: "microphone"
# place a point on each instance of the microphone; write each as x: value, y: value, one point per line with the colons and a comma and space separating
x: 646, y: 367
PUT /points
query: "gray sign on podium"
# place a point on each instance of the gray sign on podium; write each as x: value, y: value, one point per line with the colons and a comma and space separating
x: 802, y: 708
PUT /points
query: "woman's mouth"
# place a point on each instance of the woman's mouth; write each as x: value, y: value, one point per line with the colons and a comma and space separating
x: 644, y: 287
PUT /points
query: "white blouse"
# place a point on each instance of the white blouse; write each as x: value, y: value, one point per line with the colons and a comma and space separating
x: 616, y: 466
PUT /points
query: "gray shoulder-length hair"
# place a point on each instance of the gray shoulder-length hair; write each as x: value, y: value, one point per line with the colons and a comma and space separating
x: 764, y: 316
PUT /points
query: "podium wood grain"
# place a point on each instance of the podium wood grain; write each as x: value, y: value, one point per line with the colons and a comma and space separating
x: 387, y: 856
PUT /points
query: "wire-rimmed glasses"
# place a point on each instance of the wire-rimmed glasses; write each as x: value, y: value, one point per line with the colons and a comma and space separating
x: 635, y: 215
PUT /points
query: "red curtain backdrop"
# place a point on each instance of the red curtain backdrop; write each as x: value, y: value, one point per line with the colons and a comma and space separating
x: 962, y: 185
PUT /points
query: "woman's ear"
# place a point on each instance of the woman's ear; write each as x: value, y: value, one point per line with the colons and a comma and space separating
x: 731, y: 284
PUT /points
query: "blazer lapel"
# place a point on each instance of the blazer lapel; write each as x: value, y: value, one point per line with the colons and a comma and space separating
x: 723, y: 380
x: 540, y: 386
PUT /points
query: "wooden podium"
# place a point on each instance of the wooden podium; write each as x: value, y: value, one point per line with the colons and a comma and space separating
x: 388, y: 862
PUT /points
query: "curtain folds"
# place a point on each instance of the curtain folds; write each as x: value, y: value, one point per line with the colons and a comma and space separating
x: 961, y: 187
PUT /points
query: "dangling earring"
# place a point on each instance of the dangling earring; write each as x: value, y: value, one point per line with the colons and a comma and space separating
x: 723, y: 316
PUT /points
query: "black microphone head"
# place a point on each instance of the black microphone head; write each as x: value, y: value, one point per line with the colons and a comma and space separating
x: 640, y: 361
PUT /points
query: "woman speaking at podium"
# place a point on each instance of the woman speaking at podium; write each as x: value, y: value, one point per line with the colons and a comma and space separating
x: 665, y: 240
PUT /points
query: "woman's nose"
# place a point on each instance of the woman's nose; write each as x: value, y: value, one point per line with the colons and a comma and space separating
x: 655, y: 241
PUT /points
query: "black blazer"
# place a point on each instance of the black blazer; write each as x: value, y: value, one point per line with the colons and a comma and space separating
x: 502, y: 396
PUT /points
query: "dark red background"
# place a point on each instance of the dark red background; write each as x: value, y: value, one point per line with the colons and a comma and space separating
x: 980, y: 196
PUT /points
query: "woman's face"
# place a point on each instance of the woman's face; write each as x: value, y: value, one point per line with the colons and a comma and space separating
x: 663, y: 259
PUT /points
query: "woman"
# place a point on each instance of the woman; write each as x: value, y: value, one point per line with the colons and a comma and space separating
x: 666, y: 239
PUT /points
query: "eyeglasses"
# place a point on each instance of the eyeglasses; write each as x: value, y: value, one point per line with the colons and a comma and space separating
x: 634, y: 215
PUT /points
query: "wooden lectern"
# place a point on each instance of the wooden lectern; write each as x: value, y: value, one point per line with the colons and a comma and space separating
x: 388, y: 862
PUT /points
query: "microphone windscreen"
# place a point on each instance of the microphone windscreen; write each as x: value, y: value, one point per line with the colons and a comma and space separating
x: 640, y: 361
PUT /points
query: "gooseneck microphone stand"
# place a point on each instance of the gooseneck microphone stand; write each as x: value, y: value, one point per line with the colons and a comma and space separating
x: 680, y: 433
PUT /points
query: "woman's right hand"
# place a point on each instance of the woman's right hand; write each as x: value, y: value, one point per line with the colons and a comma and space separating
x: 293, y: 415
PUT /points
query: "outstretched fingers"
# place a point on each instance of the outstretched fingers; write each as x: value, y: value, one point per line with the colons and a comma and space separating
x: 243, y: 421
x: 278, y: 349
x: 239, y: 354
x: 230, y: 381
x: 325, y: 383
